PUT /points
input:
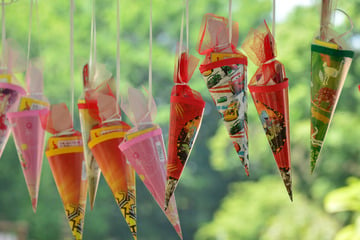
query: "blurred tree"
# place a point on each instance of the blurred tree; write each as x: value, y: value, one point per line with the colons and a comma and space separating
x: 255, y: 209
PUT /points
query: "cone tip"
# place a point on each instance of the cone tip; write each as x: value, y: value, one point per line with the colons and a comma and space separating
x: 291, y: 196
x: 247, y: 170
x: 170, y: 188
x: 34, y: 204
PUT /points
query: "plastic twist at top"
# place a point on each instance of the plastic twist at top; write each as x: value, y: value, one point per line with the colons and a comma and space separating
x: 215, y: 37
x: 260, y: 46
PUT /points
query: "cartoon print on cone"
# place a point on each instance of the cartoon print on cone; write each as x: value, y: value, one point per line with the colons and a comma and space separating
x: 65, y: 154
x: 224, y: 70
x: 269, y: 90
x: 145, y: 151
x: 186, y: 111
x: 329, y: 68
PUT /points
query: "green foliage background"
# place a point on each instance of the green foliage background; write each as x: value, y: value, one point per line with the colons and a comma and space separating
x: 216, y: 200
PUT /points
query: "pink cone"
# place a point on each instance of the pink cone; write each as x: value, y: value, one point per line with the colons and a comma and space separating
x: 29, y: 140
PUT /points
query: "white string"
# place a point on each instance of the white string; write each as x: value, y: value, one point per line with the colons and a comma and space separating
x: 150, y: 57
x: 230, y: 22
x: 274, y: 18
x: 72, y: 59
x: 92, y: 61
x: 351, y: 24
x: 29, y: 34
x: 3, y: 34
x: 118, y: 53
x: 187, y: 27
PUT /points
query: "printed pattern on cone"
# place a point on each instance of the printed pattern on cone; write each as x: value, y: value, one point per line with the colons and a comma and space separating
x: 329, y: 68
x: 272, y: 105
x: 119, y: 175
x: 66, y: 159
x: 29, y: 137
x: 227, y: 85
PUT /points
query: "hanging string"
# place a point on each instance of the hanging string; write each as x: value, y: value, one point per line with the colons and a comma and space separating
x: 29, y: 34
x: 274, y: 18
x: 117, y: 53
x: 230, y: 22
x: 92, y: 61
x: 350, y: 21
x: 72, y: 85
x: 3, y: 35
x: 187, y: 27
x: 150, y: 56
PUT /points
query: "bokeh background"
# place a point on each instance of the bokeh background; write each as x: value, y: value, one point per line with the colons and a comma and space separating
x: 216, y: 200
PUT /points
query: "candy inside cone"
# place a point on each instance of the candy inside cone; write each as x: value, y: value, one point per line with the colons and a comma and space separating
x: 29, y: 140
x: 104, y: 142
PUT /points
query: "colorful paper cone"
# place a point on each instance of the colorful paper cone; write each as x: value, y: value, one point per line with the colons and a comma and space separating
x: 272, y: 105
x: 144, y: 149
x: 87, y: 122
x: 104, y: 144
x: 9, y: 101
x: 329, y: 68
x: 269, y: 90
x: 145, y: 152
x: 66, y: 159
x: 29, y: 141
x: 186, y: 112
x: 225, y: 73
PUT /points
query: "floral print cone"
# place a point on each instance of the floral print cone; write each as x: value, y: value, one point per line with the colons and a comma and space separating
x: 329, y: 68
x: 269, y: 90
x: 104, y: 142
x: 186, y: 112
x: 29, y: 140
x: 65, y: 154
x: 225, y: 73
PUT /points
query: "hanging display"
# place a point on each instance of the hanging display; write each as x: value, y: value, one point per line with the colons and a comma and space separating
x: 28, y: 132
x: 65, y: 154
x: 10, y: 90
x: 144, y: 149
x: 225, y: 73
x: 88, y: 116
x: 269, y: 90
x: 104, y: 141
x: 330, y: 63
